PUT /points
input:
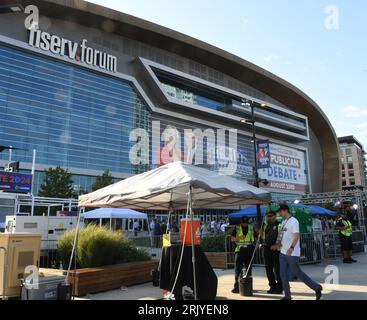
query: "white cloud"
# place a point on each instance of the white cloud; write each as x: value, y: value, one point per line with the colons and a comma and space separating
x: 276, y: 58
x: 353, y: 126
x: 272, y: 57
x: 355, y: 112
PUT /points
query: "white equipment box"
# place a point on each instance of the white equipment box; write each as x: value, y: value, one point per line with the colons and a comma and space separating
x: 51, y: 228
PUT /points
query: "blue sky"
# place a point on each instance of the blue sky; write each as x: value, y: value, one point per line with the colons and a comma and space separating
x: 320, y: 49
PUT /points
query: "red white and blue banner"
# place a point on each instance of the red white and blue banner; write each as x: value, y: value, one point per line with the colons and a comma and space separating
x: 15, y: 182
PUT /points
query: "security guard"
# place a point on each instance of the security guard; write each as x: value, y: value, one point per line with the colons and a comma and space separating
x: 269, y: 236
x: 244, y: 237
x: 345, y: 234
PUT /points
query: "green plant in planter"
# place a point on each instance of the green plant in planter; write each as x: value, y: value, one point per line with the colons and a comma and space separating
x: 99, y: 247
x: 214, y: 244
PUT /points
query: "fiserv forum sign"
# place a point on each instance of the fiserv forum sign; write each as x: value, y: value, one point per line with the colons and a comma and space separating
x: 57, y: 45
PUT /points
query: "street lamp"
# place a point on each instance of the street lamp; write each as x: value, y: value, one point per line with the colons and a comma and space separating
x: 252, y: 121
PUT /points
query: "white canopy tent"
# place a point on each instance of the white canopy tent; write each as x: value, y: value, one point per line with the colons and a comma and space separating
x: 112, y: 213
x: 168, y: 186
x: 177, y: 186
x: 115, y: 213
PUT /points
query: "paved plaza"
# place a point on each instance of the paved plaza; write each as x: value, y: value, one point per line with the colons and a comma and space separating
x: 352, y: 285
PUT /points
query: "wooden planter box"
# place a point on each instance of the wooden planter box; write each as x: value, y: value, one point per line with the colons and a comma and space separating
x: 93, y: 280
x: 218, y: 260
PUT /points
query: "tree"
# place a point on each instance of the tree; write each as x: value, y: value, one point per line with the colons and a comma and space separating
x: 103, y: 181
x: 57, y: 183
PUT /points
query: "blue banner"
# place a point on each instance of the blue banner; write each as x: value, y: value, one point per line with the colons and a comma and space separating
x: 263, y: 154
x: 15, y: 182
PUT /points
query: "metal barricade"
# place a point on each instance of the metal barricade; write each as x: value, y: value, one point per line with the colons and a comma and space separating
x: 49, y: 257
x: 312, y: 250
x: 151, y: 244
x: 332, y: 245
x: 331, y: 240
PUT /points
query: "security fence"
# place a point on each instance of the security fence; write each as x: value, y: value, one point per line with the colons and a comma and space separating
x: 49, y: 257
x: 153, y: 245
x: 312, y: 250
x: 332, y: 245
x: 315, y: 247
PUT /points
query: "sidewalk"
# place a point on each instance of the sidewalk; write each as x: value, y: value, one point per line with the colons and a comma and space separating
x: 353, y: 285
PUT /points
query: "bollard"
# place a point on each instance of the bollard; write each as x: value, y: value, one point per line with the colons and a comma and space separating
x: 155, y: 277
x: 245, y: 285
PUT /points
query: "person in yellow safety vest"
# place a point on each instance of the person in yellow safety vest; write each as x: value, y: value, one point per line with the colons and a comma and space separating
x: 244, y: 236
x: 269, y: 236
x: 345, y: 234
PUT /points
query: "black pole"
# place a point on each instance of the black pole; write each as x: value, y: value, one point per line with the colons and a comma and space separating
x: 258, y: 209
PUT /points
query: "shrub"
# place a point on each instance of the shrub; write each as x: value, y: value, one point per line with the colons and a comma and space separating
x: 214, y: 244
x: 99, y: 247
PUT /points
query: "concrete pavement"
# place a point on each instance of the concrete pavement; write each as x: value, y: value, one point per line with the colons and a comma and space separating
x: 352, y: 284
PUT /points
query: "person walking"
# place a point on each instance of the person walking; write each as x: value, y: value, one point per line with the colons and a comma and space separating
x: 244, y: 236
x: 223, y: 226
x: 152, y: 224
x: 289, y: 243
x: 345, y: 235
x: 271, y: 253
x: 213, y: 226
x: 157, y: 234
x: 136, y: 227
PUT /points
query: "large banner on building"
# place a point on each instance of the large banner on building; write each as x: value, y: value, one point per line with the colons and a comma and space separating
x: 288, y: 169
x: 15, y: 182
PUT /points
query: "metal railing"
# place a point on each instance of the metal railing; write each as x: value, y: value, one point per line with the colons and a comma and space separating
x: 332, y: 245
x: 152, y: 244
x: 49, y: 257
x: 312, y: 250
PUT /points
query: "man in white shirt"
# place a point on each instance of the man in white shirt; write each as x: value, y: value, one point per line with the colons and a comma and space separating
x: 152, y: 224
x: 316, y: 224
x: 223, y: 226
x: 136, y: 227
x: 213, y: 226
x: 288, y: 241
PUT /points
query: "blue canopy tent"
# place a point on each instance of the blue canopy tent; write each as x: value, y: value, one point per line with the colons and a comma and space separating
x: 316, y: 210
x: 250, y: 212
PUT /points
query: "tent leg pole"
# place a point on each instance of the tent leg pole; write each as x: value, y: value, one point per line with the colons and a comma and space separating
x: 193, y: 244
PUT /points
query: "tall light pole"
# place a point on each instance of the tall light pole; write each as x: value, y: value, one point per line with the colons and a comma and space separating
x: 252, y: 121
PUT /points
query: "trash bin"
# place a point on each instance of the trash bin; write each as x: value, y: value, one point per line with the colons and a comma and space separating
x: 47, y: 288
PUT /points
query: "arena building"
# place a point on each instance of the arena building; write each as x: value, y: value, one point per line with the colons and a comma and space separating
x: 74, y: 86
